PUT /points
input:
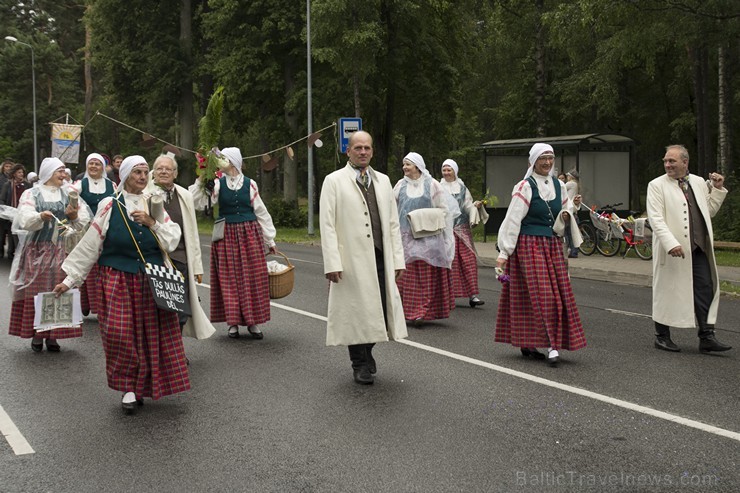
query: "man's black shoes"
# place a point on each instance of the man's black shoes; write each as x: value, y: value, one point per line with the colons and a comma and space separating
x: 666, y: 344
x: 363, y: 376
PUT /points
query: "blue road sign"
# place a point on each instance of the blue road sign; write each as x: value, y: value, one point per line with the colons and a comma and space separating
x: 347, y: 126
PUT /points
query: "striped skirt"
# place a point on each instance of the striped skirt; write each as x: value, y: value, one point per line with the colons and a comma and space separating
x: 464, y: 266
x: 537, y: 307
x: 240, y: 286
x: 426, y: 291
x: 143, y: 345
x: 90, y: 291
x: 41, y: 262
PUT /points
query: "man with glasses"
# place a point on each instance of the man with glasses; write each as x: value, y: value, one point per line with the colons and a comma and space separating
x: 178, y: 202
x: 685, y: 284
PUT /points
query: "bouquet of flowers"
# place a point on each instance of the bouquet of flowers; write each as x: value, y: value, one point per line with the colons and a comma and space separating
x: 502, y: 278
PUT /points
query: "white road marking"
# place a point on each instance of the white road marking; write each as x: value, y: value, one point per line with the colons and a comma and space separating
x: 629, y: 314
x: 14, y: 437
x: 550, y: 383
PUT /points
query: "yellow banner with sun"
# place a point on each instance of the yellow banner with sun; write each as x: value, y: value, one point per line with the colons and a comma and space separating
x: 65, y: 142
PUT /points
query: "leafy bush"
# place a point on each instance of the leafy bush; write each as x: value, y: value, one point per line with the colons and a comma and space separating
x: 287, y: 213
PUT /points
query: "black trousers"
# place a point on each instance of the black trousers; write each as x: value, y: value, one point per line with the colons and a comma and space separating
x: 703, y: 290
x: 361, y: 354
x: 703, y: 286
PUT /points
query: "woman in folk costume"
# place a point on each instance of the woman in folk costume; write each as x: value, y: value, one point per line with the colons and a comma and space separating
x: 51, y: 222
x: 465, y: 264
x: 240, y: 290
x: 143, y: 347
x: 426, y: 286
x: 93, y: 187
x: 537, y: 307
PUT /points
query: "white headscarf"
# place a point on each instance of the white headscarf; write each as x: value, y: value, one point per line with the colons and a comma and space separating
x: 234, y: 155
x: 100, y: 158
x: 452, y: 164
x: 31, y: 175
x: 48, y: 166
x: 418, y: 161
x: 536, y: 151
x: 454, y: 185
x: 128, y: 165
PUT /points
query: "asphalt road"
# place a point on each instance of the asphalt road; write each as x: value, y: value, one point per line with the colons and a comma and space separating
x: 450, y: 410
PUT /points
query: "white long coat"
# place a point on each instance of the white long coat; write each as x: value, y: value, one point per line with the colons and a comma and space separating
x: 668, y: 210
x: 355, y: 310
x: 198, y: 325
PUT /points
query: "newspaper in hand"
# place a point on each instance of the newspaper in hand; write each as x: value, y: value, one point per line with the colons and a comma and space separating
x: 54, y: 312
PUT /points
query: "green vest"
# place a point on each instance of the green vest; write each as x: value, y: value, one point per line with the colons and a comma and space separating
x: 235, y: 205
x: 119, y: 251
x: 540, y: 220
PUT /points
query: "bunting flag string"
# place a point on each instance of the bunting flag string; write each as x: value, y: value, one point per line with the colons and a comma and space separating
x: 255, y: 156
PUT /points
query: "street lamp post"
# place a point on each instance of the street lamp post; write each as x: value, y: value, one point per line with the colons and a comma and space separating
x: 33, y: 88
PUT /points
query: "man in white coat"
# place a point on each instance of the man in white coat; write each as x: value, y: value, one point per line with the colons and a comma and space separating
x: 685, y: 284
x: 363, y: 258
x: 187, y: 256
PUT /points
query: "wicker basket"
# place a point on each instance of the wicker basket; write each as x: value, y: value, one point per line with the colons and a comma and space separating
x: 281, y: 283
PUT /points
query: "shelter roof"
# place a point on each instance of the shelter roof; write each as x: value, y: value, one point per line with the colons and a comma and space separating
x: 560, y: 141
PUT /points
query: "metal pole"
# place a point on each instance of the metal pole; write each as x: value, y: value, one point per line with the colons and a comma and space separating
x: 310, y: 119
x: 13, y: 39
x: 33, y: 81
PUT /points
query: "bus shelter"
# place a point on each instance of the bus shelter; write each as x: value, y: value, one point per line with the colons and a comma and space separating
x: 603, y: 161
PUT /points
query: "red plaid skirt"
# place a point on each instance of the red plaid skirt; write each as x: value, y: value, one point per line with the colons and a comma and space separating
x: 240, y: 286
x: 41, y: 262
x: 537, y: 307
x: 90, y: 291
x: 143, y: 345
x: 426, y: 291
x: 464, y: 269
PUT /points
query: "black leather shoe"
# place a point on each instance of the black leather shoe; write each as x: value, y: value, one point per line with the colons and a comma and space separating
x: 666, y: 344
x: 710, y: 343
x: 52, y: 347
x: 128, y: 407
x: 37, y: 346
x: 234, y: 333
x: 475, y: 301
x: 85, y: 313
x: 531, y: 352
x: 363, y: 376
x: 255, y: 332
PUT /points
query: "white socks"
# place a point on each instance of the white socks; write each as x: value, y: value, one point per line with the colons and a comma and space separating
x: 128, y: 398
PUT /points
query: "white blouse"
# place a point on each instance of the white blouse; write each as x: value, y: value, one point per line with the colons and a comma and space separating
x: 29, y: 218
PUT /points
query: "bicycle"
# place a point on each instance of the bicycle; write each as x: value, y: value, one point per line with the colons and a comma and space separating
x: 599, y: 235
x: 607, y: 232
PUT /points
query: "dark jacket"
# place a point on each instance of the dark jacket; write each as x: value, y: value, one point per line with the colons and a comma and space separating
x: 6, y: 192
